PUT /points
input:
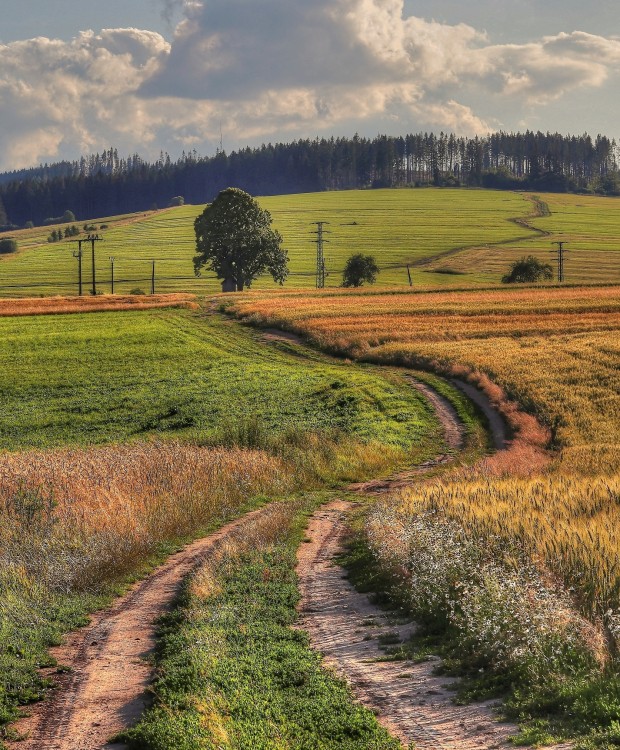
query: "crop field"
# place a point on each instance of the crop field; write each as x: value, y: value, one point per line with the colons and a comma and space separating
x: 556, y: 351
x: 590, y: 225
x: 399, y: 227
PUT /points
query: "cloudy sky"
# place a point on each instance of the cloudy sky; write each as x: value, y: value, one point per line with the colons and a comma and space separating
x: 145, y: 75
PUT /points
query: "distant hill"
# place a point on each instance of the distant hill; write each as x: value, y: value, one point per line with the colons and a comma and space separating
x: 106, y: 184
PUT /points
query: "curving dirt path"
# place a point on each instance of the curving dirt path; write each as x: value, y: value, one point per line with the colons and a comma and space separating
x: 454, y: 434
x: 105, y: 691
x: 105, y: 688
x: 410, y: 701
x: 413, y: 703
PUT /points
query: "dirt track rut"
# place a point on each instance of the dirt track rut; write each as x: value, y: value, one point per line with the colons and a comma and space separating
x: 105, y: 691
x: 410, y: 701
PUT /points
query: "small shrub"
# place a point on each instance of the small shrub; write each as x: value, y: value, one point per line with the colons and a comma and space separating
x: 528, y: 271
x: 8, y: 246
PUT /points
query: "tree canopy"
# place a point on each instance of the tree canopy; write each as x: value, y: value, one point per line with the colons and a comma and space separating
x: 234, y: 239
x: 360, y: 269
x: 105, y: 184
x: 528, y: 271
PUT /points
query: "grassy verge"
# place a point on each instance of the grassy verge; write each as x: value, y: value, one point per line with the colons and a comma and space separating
x: 232, y: 673
x: 501, y: 630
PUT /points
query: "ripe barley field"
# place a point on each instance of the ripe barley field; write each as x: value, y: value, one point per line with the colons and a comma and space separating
x: 554, y: 351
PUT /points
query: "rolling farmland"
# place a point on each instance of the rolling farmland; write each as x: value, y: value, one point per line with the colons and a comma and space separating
x: 556, y: 351
x: 590, y: 225
x: 397, y: 226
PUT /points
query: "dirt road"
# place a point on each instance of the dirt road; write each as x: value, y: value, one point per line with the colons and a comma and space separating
x: 410, y: 701
x: 105, y: 691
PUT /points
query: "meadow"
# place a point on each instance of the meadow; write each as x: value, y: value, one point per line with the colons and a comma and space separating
x: 450, y: 237
x: 126, y: 433
x: 514, y: 560
x: 112, y: 376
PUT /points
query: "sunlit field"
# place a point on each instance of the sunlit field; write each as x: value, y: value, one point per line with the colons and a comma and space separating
x: 557, y: 353
x: 399, y: 227
x: 135, y: 429
x: 590, y: 226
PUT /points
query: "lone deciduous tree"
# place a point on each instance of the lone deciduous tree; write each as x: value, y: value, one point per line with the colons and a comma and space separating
x: 528, y: 271
x: 360, y: 269
x: 234, y: 239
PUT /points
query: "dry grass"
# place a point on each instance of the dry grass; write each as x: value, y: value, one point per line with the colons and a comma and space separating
x: 76, y: 520
x: 259, y: 532
x: 100, y: 303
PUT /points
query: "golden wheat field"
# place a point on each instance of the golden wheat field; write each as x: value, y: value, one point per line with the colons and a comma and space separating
x: 549, y: 352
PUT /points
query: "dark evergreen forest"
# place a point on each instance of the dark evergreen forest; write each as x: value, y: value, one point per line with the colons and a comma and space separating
x: 105, y: 184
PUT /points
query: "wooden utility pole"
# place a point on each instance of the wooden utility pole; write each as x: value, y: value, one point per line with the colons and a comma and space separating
x: 92, y: 238
x: 153, y: 279
x: 112, y: 275
x: 409, y: 275
x: 320, y: 253
x: 561, y: 252
x: 78, y: 255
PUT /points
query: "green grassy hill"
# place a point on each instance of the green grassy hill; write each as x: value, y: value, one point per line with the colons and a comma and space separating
x: 472, y: 231
x: 105, y: 377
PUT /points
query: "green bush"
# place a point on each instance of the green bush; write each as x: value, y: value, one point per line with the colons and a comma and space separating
x: 7, y: 246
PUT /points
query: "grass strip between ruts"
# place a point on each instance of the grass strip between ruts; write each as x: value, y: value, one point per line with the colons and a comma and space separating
x: 232, y: 671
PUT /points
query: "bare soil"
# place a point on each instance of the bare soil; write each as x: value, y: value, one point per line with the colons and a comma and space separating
x: 412, y: 702
x: 105, y: 690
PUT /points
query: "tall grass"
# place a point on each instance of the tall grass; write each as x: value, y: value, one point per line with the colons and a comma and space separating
x: 76, y: 523
x: 75, y: 520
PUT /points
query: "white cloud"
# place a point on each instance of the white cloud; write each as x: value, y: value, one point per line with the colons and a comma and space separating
x: 273, y: 69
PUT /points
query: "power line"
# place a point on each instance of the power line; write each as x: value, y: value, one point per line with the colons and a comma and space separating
x: 320, y: 253
x: 561, y: 252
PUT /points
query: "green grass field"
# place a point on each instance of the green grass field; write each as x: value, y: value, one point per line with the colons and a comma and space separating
x: 397, y: 226
x: 590, y: 225
x: 104, y: 377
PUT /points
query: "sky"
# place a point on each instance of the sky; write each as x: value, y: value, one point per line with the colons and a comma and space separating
x: 173, y: 75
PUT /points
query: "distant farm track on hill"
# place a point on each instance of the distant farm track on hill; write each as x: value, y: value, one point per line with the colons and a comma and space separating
x: 451, y: 237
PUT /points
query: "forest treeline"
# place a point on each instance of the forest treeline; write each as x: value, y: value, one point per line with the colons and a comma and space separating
x: 106, y: 184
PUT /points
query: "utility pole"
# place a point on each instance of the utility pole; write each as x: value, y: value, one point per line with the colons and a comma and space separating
x: 320, y: 253
x: 112, y: 275
x: 561, y: 252
x: 78, y: 255
x: 92, y: 238
x: 409, y: 275
x: 153, y: 279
